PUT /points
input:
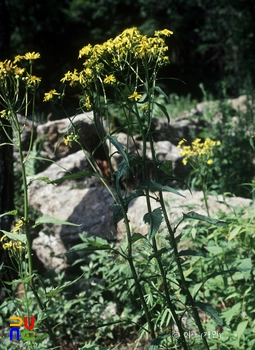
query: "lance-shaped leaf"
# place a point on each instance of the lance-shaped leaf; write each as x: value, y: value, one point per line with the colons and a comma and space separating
x: 190, y: 252
x: 12, y: 212
x: 15, y: 236
x: 210, y: 311
x: 119, y: 147
x: 117, y: 214
x: 91, y: 244
x: 133, y: 195
x: 196, y: 216
x: 164, y: 110
x: 154, y: 186
x: 154, y: 219
x: 122, y: 169
x: 49, y: 220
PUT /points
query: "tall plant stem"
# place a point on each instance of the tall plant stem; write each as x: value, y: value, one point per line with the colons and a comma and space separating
x: 25, y: 195
x: 26, y: 225
x: 134, y: 273
x: 190, y: 300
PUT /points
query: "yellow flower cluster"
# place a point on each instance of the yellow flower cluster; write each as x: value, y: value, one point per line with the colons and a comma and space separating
x: 10, y: 70
x: 69, y: 139
x: 48, y: 96
x: 13, y: 245
x: 104, y: 63
x: 197, y: 150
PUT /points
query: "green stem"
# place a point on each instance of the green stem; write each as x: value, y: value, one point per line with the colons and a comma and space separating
x: 190, y: 300
x: 134, y: 273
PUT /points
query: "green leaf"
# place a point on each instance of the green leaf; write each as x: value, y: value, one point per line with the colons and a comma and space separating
x: 49, y: 220
x: 16, y: 237
x: 23, y: 281
x: 167, y: 167
x: 41, y: 178
x: 159, y: 253
x: 210, y: 311
x: 136, y: 236
x: 117, y: 214
x: 133, y: 195
x: 119, y: 147
x: 196, y: 216
x: 154, y: 219
x: 156, y: 342
x: 164, y: 110
x: 190, y: 252
x: 158, y: 89
x: 122, y: 169
x: 154, y: 186
x: 12, y: 212
x: 57, y: 290
x: 78, y: 175
x: 241, y: 328
x: 235, y: 232
x: 214, y: 249
x: 89, y: 247
x: 246, y: 267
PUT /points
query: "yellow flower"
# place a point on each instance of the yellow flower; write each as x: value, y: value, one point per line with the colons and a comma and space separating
x: 181, y: 143
x: 49, y: 95
x: 135, y: 96
x: 72, y: 77
x: 164, y: 32
x: 69, y: 139
x: 18, y: 72
x: 85, y: 51
x: 33, y: 80
x: 18, y: 58
x: 18, y: 226
x: 110, y: 79
x: 198, y: 150
x: 144, y: 107
x: 31, y: 56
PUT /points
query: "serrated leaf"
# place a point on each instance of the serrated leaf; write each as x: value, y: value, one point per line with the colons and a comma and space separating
x: 196, y: 216
x: 154, y: 186
x: 210, y: 311
x: 190, y: 252
x: 49, y: 220
x: 154, y: 219
x: 119, y: 147
x: 12, y: 212
x: 16, y: 237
